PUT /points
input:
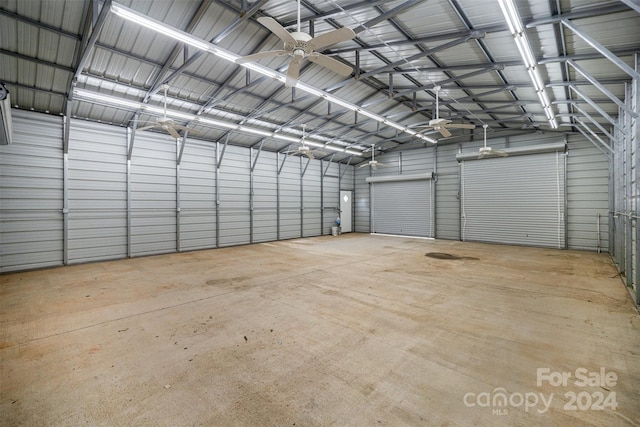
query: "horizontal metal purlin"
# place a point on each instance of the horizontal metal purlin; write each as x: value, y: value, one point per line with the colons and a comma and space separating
x: 395, y: 178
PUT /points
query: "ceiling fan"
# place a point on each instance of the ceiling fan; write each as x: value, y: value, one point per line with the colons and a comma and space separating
x: 373, y: 163
x: 299, y: 45
x: 488, y: 151
x: 304, y: 149
x: 443, y: 125
x: 165, y: 123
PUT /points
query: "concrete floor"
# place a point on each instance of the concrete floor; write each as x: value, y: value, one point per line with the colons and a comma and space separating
x: 331, y: 331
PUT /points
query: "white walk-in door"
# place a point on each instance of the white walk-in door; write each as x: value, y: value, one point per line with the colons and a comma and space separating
x: 345, y: 211
x: 514, y: 200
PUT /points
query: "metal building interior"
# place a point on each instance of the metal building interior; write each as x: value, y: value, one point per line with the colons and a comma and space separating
x: 338, y: 212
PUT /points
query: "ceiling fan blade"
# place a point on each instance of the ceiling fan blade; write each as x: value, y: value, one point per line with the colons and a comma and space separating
x: 173, y: 132
x: 277, y: 29
x: 293, y: 72
x: 363, y: 165
x: 461, y: 126
x: 310, y: 155
x: 444, y: 132
x: 147, y: 127
x: 500, y: 153
x: 330, y: 63
x: 261, y: 55
x: 331, y: 38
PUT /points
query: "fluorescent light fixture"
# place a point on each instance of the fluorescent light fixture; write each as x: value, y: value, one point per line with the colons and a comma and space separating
x: 113, y: 100
x: 394, y: 125
x: 231, y: 57
x: 544, y: 100
x: 158, y: 26
x: 309, y: 89
x: 516, y: 28
x: 340, y: 102
x: 512, y: 16
x: 255, y: 131
x: 218, y: 123
x: 373, y: 116
x: 354, y: 153
x: 285, y: 138
x: 525, y: 52
x: 177, y: 114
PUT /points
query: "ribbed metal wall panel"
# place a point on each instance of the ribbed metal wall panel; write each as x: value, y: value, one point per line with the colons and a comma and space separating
x: 514, y: 200
x: 97, y: 192
x: 198, y: 196
x: 290, y: 202
x: 234, y: 184
x: 31, y: 188
x: 265, y: 205
x: 447, y: 197
x: 153, y: 194
x: 312, y: 225
x: 402, y: 207
x: 587, y: 195
x: 330, y: 194
x: 362, y: 201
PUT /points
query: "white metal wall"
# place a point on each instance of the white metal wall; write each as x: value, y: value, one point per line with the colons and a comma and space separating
x: 234, y: 197
x: 97, y: 192
x: 198, y: 196
x: 117, y: 208
x: 265, y: 203
x: 311, y: 198
x: 447, y: 187
x: 289, y: 197
x: 31, y: 193
x: 153, y: 195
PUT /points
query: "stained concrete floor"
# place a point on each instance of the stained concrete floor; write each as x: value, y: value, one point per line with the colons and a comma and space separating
x: 353, y: 330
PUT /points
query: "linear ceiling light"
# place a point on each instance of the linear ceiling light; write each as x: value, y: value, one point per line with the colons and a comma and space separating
x: 134, y: 105
x: 516, y: 29
x: 184, y: 37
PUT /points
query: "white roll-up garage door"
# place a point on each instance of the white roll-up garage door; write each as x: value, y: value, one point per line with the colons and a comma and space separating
x: 402, y: 207
x: 518, y: 199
